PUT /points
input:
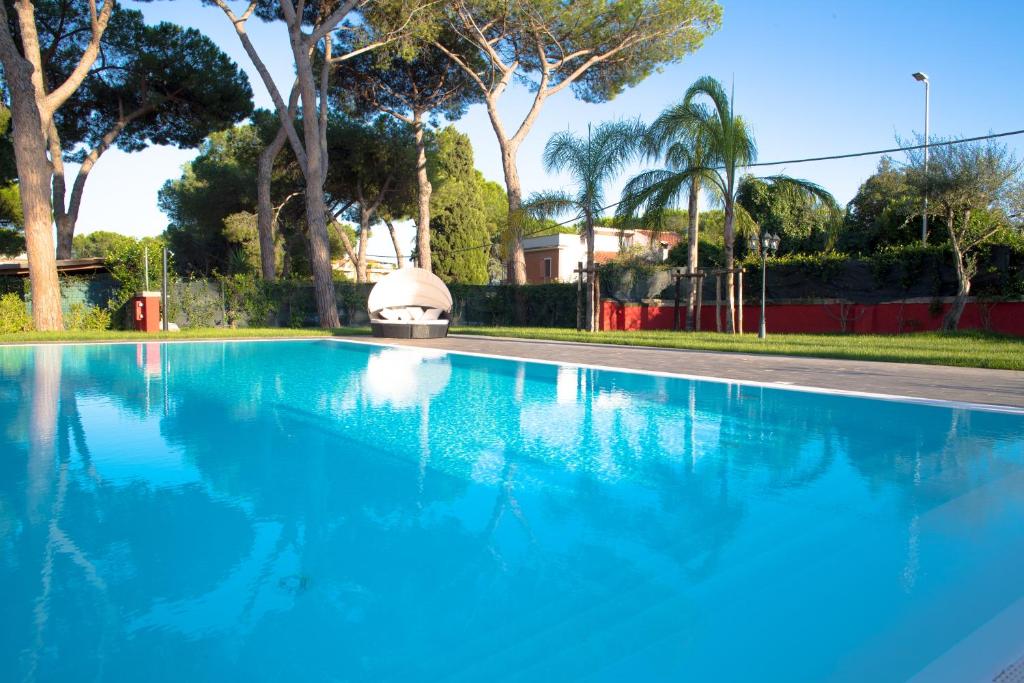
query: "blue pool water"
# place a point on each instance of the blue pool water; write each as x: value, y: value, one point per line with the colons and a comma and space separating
x: 325, y: 511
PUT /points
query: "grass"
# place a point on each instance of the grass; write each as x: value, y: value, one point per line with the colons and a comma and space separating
x: 198, y: 333
x: 963, y: 349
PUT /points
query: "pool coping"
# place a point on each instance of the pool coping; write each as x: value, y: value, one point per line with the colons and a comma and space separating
x: 783, y: 386
x: 403, y: 344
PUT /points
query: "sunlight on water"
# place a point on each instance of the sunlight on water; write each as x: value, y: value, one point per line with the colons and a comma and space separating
x: 317, y: 510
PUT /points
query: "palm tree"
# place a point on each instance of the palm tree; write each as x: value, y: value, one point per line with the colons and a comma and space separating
x: 591, y: 163
x: 704, y: 146
x: 680, y: 136
x: 729, y: 147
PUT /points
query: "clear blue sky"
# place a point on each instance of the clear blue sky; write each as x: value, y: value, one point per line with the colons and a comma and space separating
x: 813, y: 78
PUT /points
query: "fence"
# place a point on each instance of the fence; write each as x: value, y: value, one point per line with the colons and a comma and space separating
x: 245, y: 301
x: 831, y: 316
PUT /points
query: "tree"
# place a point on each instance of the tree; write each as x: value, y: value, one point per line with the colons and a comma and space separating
x: 33, y: 106
x: 12, y: 220
x: 371, y: 25
x: 98, y: 244
x: 881, y: 212
x: 375, y: 168
x: 496, y: 210
x: 972, y: 186
x: 681, y: 136
x: 163, y: 85
x: 803, y: 214
x: 591, y: 163
x: 219, y: 182
x: 459, y: 218
x: 411, y: 90
x: 730, y: 147
x: 595, y: 47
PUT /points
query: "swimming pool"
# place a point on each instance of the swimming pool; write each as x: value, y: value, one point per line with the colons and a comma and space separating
x: 322, y: 510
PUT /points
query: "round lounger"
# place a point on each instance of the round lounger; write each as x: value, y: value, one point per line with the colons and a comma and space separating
x: 410, y: 303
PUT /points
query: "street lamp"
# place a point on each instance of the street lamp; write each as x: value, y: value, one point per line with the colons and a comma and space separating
x: 923, y: 78
x: 767, y: 243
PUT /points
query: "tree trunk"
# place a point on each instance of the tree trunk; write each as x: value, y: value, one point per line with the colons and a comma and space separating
x: 591, y: 313
x: 692, y: 255
x: 424, y: 190
x: 316, y: 170
x: 264, y: 207
x: 365, y: 216
x: 34, y: 178
x: 395, y: 244
x: 951, y: 321
x: 65, y: 236
x: 729, y: 236
x: 65, y: 224
x: 516, y: 257
x: 67, y: 218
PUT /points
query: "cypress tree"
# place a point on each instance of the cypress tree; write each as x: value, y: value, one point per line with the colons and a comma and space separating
x: 458, y: 219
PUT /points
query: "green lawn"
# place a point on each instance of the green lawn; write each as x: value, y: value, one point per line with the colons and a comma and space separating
x: 199, y: 333
x: 966, y: 349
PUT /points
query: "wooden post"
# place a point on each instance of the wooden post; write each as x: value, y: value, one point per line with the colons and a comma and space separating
x: 700, y: 299
x: 675, y: 311
x: 596, y: 326
x: 579, y: 296
x: 739, y: 297
x: 718, y: 302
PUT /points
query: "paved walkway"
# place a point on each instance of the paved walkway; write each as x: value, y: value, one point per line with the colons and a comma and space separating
x: 970, y: 385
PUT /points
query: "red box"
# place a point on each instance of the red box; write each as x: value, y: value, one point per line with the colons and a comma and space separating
x: 146, y: 311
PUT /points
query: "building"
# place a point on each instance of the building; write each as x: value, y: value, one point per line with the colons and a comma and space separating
x: 375, y: 270
x: 18, y: 267
x: 554, y: 258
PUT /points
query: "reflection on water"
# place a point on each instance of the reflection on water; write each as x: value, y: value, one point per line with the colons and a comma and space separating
x: 315, y: 510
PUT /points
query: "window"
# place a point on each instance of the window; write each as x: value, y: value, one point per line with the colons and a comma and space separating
x: 547, y: 269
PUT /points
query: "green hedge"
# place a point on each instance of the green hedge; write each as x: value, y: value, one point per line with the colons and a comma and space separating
x: 897, y: 272
x: 249, y: 301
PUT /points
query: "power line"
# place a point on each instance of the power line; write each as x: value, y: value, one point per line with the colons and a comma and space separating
x: 941, y: 143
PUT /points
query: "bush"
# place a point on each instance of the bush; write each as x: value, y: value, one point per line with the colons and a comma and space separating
x: 247, y: 300
x: 14, y: 315
x: 710, y: 254
x: 84, y: 317
x: 907, y: 264
x: 821, y: 266
x: 126, y: 264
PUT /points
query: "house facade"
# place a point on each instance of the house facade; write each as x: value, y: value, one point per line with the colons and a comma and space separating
x: 375, y: 270
x: 555, y: 258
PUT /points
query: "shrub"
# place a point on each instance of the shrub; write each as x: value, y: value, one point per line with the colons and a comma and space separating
x: 906, y: 264
x: 14, y: 315
x: 246, y: 300
x: 126, y: 264
x: 84, y: 317
x: 820, y: 266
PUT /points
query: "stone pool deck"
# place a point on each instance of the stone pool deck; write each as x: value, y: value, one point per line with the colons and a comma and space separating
x: 967, y: 385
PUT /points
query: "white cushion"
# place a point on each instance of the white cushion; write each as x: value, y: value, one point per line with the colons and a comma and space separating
x: 415, y: 312
x: 388, y: 314
x: 432, y: 314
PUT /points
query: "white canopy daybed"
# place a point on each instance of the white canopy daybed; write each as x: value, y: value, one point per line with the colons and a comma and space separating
x: 410, y: 303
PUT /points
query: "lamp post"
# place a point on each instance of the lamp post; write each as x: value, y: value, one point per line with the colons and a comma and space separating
x: 923, y: 78
x: 767, y: 243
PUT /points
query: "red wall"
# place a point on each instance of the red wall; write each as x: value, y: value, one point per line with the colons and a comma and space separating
x: 885, y: 318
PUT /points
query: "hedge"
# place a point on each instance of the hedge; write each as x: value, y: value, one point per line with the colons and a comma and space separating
x: 890, y: 274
